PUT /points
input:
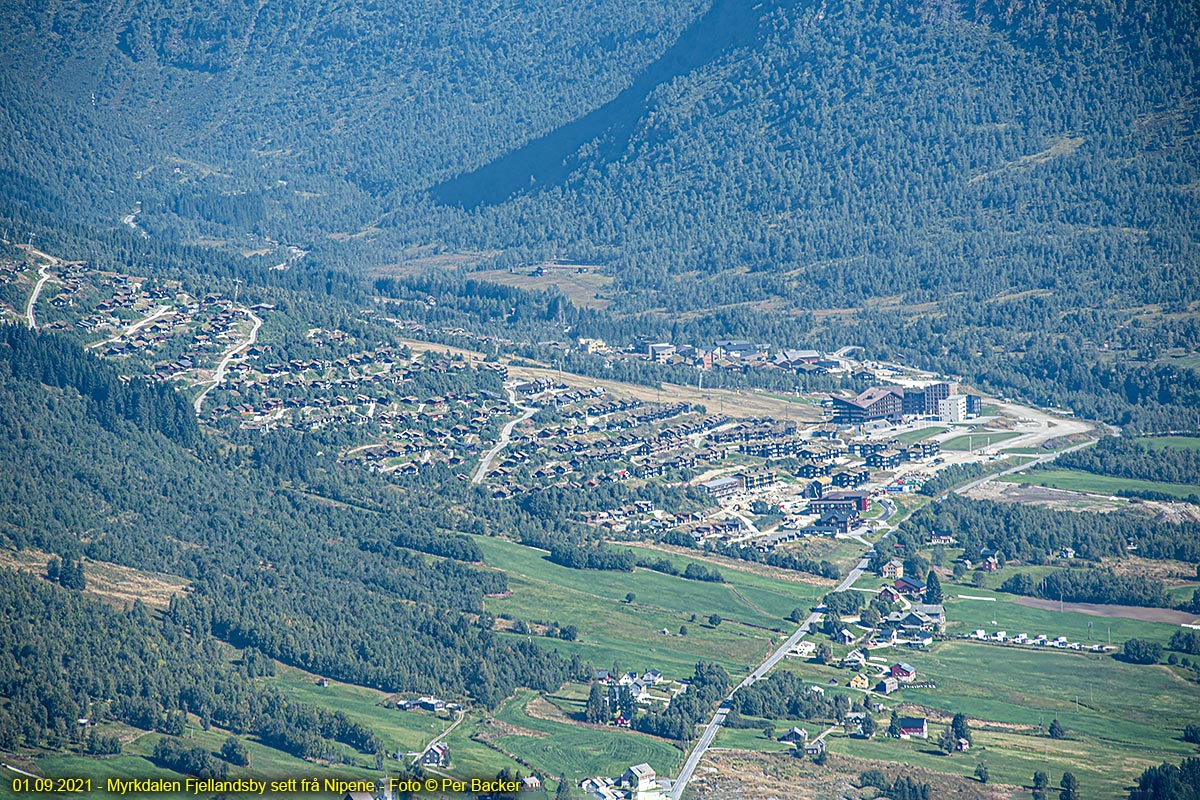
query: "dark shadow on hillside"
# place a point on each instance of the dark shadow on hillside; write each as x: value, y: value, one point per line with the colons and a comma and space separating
x: 547, y: 161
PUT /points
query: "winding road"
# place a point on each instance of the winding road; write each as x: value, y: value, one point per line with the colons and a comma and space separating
x: 233, y: 352
x: 440, y: 736
x: 485, y: 463
x: 37, y: 289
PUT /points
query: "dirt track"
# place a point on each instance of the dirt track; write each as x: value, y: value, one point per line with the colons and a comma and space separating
x: 1125, y: 612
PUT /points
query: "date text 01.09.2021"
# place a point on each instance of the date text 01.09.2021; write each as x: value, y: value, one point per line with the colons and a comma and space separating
x: 51, y: 785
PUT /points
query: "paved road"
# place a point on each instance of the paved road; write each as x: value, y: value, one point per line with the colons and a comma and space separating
x: 37, y: 289
x: 710, y: 731
x: 21, y: 771
x: 134, y: 328
x: 485, y: 463
x: 219, y: 375
x: 1039, y: 460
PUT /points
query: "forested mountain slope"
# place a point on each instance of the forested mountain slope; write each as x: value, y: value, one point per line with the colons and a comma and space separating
x: 860, y: 151
x: 332, y: 585
x: 1002, y: 190
x: 297, y: 119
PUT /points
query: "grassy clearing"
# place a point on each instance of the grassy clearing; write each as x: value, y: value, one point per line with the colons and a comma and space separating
x: 752, y: 607
x: 1079, y: 481
x: 1172, y: 442
x: 1182, y: 593
x: 404, y: 731
x: 114, y: 584
x: 1127, y: 717
x: 585, y: 289
x: 977, y: 441
x: 753, y: 739
x: 400, y: 731
x: 574, y: 750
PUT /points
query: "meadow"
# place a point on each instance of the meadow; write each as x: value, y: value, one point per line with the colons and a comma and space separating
x: 577, y: 751
x: 1120, y: 717
x: 752, y: 607
x: 920, y: 434
x: 1079, y: 481
x: 1172, y: 442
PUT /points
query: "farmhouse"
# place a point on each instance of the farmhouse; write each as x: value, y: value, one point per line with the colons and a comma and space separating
x: 887, y: 593
x: 437, y: 755
x: 920, y: 617
x: 795, y: 735
x: 891, y: 571
x: 637, y: 783
x: 913, y: 727
x: 856, y: 659
x: 905, y: 673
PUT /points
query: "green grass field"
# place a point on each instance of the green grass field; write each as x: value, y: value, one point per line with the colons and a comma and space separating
x: 964, y: 616
x: 401, y: 731
x: 1079, y: 481
x: 977, y: 441
x: 576, y: 751
x: 908, y: 437
x: 1172, y: 442
x: 405, y: 731
x: 753, y: 739
x: 1128, y: 716
x: 612, y: 630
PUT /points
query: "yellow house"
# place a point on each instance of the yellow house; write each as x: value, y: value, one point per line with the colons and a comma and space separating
x: 860, y: 681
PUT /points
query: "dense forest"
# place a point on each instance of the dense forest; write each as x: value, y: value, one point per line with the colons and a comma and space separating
x: 65, y: 657
x: 387, y: 590
x: 784, y: 695
x: 1034, y: 534
x: 1169, y: 782
x: 1131, y: 458
x: 1091, y: 586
